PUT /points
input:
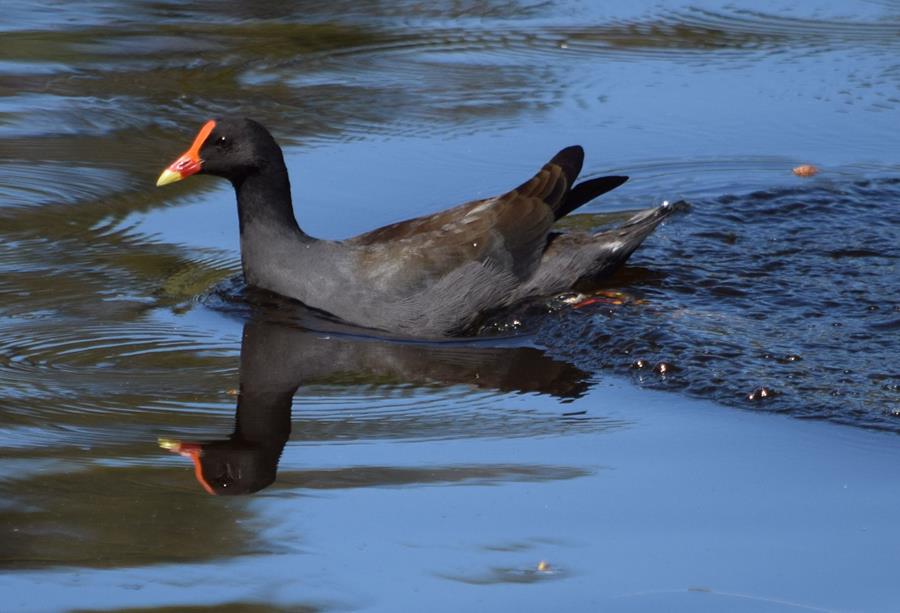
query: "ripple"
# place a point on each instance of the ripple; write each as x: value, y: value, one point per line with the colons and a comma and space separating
x: 697, y: 31
x: 36, y: 184
x: 435, y: 414
x: 404, y: 72
x: 26, y: 114
x: 748, y: 293
x: 102, y: 367
x: 98, y: 93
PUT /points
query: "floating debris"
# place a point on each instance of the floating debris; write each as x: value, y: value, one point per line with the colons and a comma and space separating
x: 805, y: 170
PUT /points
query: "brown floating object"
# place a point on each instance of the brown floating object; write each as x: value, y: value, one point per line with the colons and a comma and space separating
x: 806, y: 170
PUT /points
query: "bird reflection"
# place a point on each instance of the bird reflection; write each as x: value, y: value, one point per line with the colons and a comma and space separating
x: 277, y: 358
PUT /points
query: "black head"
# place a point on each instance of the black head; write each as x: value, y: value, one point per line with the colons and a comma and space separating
x: 233, y: 148
x: 238, y: 147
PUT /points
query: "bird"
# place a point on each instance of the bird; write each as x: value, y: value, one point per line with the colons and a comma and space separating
x: 433, y: 276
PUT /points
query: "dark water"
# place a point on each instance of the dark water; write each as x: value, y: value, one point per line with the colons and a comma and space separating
x: 784, y: 299
x: 459, y: 467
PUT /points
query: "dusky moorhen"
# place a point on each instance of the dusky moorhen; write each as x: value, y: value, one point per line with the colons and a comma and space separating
x: 431, y: 276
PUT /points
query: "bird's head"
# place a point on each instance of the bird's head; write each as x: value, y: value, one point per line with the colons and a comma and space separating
x: 229, y: 148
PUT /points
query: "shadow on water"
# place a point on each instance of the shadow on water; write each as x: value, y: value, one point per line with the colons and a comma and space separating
x: 74, y: 499
x: 276, y: 359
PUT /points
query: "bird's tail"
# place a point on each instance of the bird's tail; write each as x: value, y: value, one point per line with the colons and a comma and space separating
x: 586, y: 191
x: 648, y: 219
x: 620, y: 242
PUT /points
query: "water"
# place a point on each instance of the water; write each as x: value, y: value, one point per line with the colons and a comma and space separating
x: 380, y: 468
x: 790, y: 290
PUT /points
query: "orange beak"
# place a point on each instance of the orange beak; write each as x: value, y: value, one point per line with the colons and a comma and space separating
x: 192, y: 451
x: 189, y: 163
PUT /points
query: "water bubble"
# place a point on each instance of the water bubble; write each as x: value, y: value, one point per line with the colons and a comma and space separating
x: 785, y: 359
x: 664, y: 368
x: 760, y: 393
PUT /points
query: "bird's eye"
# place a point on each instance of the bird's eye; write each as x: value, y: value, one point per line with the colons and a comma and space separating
x: 222, y: 141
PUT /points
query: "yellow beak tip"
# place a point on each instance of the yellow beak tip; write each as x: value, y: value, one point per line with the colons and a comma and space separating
x: 168, y: 444
x: 168, y: 176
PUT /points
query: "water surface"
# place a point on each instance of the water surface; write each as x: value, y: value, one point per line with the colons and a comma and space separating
x: 377, y: 466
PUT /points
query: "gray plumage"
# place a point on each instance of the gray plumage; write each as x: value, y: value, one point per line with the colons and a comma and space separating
x: 431, y: 276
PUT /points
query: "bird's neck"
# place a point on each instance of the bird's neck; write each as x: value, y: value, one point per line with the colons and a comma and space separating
x: 264, y: 202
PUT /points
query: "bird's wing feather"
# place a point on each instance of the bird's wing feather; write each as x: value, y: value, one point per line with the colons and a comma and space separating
x: 507, y: 232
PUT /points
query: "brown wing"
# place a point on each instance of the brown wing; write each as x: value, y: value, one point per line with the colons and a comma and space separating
x: 507, y: 232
